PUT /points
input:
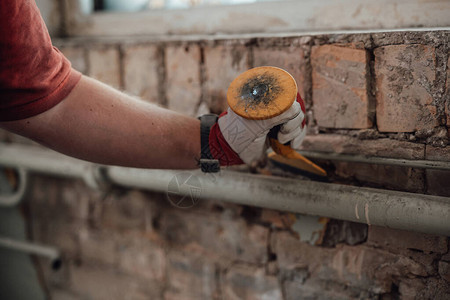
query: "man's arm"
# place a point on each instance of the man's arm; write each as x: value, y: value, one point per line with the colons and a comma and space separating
x: 102, y: 125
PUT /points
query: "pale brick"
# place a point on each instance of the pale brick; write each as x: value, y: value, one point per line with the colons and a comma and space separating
x: 357, y: 266
x: 141, y: 257
x: 340, y: 96
x: 183, y: 87
x: 438, y: 181
x: 97, y: 246
x: 140, y: 72
x: 321, y: 290
x: 58, y: 294
x: 191, y: 276
x: 404, y: 76
x: 243, y: 282
x: 293, y: 254
x: 91, y: 282
x: 220, y: 235
x: 223, y: 64
x: 104, y: 65
x: 77, y: 57
x: 290, y: 58
x: 128, y: 211
x: 400, y: 241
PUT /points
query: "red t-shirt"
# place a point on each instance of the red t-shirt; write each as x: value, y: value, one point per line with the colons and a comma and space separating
x: 34, y: 75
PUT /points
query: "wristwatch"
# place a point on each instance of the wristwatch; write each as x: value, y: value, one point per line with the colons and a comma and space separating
x: 208, y: 163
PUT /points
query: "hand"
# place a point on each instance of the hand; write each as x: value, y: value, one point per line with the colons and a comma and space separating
x: 248, y: 137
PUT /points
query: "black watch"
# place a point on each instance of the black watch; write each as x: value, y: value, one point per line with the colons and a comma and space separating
x: 208, y: 163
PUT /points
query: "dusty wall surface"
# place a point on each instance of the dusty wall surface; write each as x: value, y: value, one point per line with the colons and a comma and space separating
x: 381, y: 94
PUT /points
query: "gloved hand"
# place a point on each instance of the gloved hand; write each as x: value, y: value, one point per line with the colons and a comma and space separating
x: 240, y: 140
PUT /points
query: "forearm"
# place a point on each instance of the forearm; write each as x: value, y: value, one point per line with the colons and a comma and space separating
x: 102, y: 125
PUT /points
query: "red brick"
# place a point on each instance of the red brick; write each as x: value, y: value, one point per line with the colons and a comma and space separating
x: 183, y: 86
x: 404, y: 103
x: 141, y: 257
x: 290, y: 58
x: 140, y: 72
x: 225, y: 237
x: 104, y: 65
x: 76, y: 56
x: 191, y: 276
x: 438, y: 180
x: 244, y: 282
x: 400, y: 241
x: 223, y: 64
x: 340, y: 96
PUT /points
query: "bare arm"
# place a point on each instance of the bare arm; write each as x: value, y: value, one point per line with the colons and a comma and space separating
x: 102, y: 125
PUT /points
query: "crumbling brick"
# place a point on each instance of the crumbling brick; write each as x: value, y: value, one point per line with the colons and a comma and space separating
x: 140, y: 72
x: 141, y: 257
x: 243, y: 282
x: 219, y: 235
x: 290, y: 58
x: 90, y: 282
x: 339, y: 82
x: 192, y: 276
x: 404, y: 79
x: 400, y: 241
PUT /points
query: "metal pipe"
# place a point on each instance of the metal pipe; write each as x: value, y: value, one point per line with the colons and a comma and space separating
x: 400, y: 210
x: 37, y: 159
x: 32, y: 248
x: 422, y: 164
x: 409, y: 211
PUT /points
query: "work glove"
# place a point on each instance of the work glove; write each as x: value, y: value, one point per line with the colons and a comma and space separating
x: 236, y: 140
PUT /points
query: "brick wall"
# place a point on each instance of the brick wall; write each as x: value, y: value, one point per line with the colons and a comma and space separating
x: 381, y: 94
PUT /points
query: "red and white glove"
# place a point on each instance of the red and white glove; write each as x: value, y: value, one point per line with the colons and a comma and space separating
x: 236, y: 140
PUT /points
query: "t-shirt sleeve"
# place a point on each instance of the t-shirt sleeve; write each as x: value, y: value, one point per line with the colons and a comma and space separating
x: 34, y: 75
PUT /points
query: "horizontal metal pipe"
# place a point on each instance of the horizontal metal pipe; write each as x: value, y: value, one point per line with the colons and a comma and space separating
x: 416, y: 212
x: 422, y: 164
x: 400, y: 210
x: 32, y: 248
